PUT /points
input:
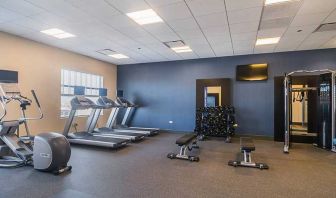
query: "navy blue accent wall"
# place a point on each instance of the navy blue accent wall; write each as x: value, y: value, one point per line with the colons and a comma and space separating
x: 166, y: 91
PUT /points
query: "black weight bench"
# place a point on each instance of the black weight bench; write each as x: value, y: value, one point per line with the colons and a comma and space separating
x: 186, y: 142
x: 246, y: 147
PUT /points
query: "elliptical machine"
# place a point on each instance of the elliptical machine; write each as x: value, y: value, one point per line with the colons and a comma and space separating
x: 49, y: 152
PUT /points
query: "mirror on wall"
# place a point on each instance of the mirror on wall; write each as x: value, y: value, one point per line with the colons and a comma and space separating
x: 299, y: 123
x: 212, y: 96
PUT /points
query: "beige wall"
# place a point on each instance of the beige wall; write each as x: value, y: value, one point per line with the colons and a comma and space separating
x: 39, y: 68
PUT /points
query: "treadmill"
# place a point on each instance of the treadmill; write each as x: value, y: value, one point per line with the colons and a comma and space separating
x: 79, y: 102
x: 106, y: 103
x: 124, y: 103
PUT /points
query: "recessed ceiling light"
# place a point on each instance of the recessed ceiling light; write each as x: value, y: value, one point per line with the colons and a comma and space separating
x: 118, y: 56
x: 269, y: 2
x: 182, y: 49
x: 52, y: 31
x: 145, y: 17
x: 60, y: 34
x: 64, y: 35
x: 267, y: 41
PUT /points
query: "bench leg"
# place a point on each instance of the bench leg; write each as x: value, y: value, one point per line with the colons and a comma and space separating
x: 247, y: 162
x: 183, y: 154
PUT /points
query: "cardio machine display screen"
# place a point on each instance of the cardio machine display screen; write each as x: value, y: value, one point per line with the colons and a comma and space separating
x: 7, y: 76
x: 252, y: 72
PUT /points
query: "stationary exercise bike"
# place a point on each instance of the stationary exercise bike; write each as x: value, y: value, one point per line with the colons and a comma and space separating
x: 48, y: 152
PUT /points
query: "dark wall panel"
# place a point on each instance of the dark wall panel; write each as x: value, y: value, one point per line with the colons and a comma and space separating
x: 166, y: 91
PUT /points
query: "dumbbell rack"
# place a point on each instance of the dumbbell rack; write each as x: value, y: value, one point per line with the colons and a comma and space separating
x: 215, y: 122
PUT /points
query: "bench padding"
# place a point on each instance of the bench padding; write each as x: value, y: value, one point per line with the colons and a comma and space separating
x: 186, y: 139
x: 246, y: 144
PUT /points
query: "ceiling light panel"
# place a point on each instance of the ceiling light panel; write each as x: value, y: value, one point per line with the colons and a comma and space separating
x: 57, y: 33
x: 118, y: 56
x: 144, y: 17
x: 52, y: 31
x: 182, y: 49
x: 270, y: 2
x: 267, y: 41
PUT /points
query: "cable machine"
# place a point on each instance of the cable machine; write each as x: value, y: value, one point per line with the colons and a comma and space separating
x: 326, y: 107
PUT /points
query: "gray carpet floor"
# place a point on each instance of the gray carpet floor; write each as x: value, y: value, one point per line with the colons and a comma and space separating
x: 142, y: 170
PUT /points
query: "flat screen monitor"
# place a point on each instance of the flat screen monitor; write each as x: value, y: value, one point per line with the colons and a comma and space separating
x: 79, y: 90
x: 252, y: 72
x: 7, y: 76
x: 102, y: 92
x: 120, y: 93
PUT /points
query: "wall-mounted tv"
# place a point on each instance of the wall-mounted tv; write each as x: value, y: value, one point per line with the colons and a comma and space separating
x: 7, y: 76
x: 252, y: 72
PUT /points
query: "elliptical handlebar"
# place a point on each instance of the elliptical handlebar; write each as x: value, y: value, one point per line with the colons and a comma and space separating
x: 38, y: 106
x: 4, y: 111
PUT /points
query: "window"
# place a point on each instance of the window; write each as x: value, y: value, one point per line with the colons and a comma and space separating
x: 70, y: 79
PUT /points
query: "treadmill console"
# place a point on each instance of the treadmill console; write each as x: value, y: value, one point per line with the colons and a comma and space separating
x: 106, y: 102
x: 81, y: 102
x: 124, y: 102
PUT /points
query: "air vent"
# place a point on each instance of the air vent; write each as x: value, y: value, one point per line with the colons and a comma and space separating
x: 106, y: 52
x: 174, y: 44
x: 178, y: 46
x: 279, y: 15
x: 326, y: 27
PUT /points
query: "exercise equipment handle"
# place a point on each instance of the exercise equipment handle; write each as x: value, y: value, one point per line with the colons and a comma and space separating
x: 36, y: 100
x: 39, y: 108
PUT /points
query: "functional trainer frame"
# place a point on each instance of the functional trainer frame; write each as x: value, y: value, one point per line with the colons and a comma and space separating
x: 287, y: 92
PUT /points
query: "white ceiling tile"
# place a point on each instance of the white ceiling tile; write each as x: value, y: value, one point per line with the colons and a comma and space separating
x: 244, y: 27
x: 167, y: 37
x: 157, y: 3
x: 300, y: 31
x: 221, y: 46
x: 243, y: 45
x: 185, y: 34
x: 183, y: 24
x: 219, y: 41
x: 7, y: 15
x: 127, y: 6
x: 174, y: 11
x: 22, y: 7
x: 309, y: 19
x: 217, y: 31
x: 118, y: 21
x: 158, y: 28
x: 244, y: 15
x: 316, y: 40
x: 99, y: 9
x: 244, y: 36
x: 212, y: 20
x: 288, y: 44
x: 196, y: 41
x: 264, y: 49
x: 243, y: 4
x: 243, y: 52
x: 188, y: 55
x: 331, y: 18
x: 330, y: 44
x: 201, y: 7
x: 15, y: 29
x: 277, y: 32
x: 60, y: 8
x: 317, y: 6
x: 32, y: 24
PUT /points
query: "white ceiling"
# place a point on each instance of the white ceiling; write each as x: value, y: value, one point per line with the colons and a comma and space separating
x: 212, y: 28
